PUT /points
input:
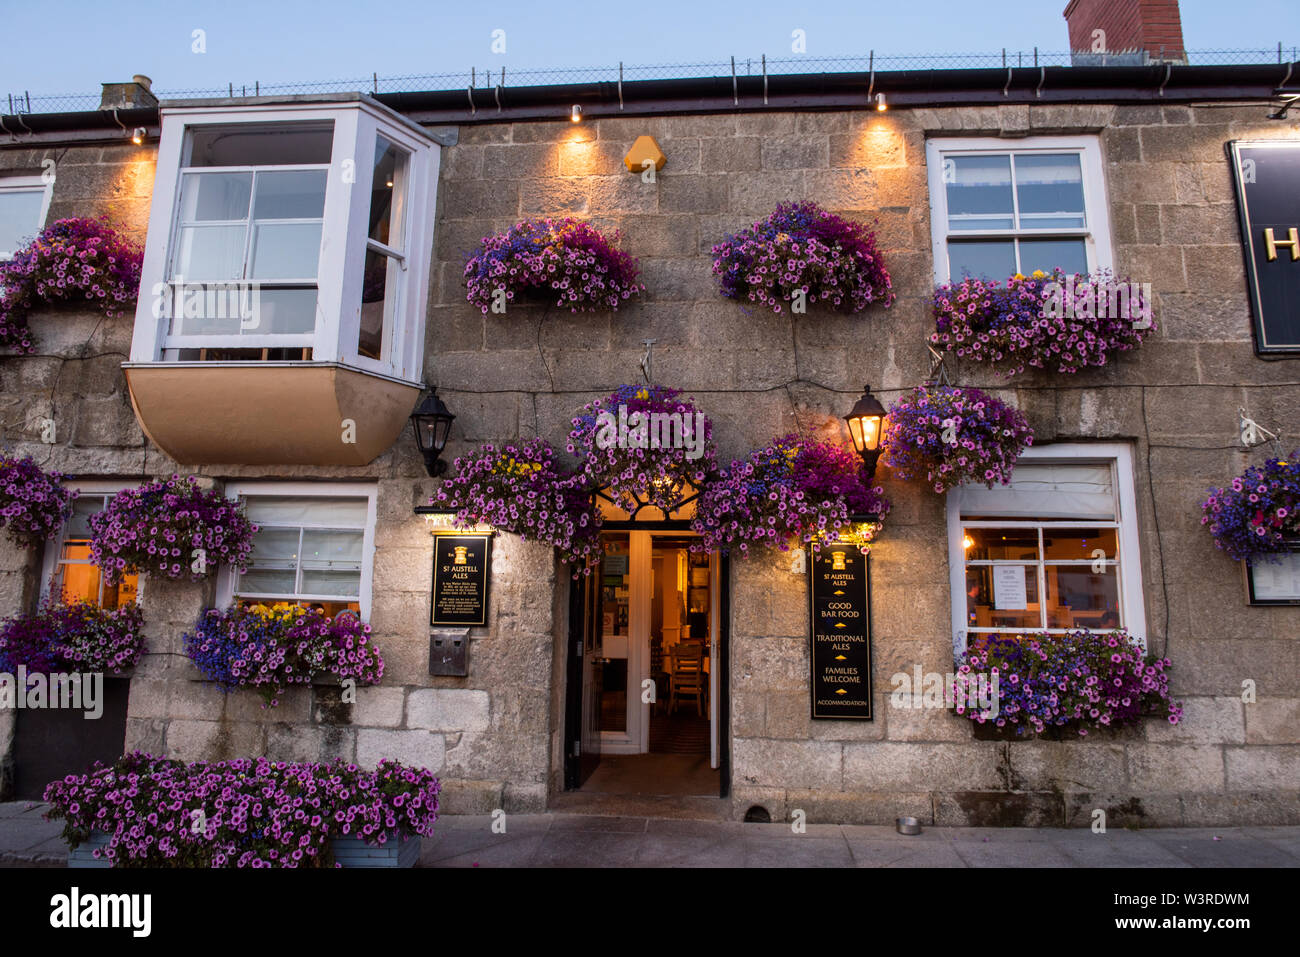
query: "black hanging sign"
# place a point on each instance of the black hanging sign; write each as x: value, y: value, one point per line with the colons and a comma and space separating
x: 461, y: 564
x: 1267, y: 175
x: 840, y: 609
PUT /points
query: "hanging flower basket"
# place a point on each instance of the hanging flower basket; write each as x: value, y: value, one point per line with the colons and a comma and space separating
x: 795, y: 490
x: 1056, y: 322
x: 954, y: 435
x: 1082, y: 680
x: 147, y: 811
x: 801, y: 250
x: 77, y: 637
x: 34, y: 503
x: 170, y: 529
x: 1258, y: 514
x: 270, y: 649
x: 80, y: 261
x: 521, y: 488
x: 644, y: 445
x: 566, y: 261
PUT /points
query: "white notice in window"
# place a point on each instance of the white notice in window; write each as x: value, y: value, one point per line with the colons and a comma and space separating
x: 1009, y: 588
x: 1277, y: 582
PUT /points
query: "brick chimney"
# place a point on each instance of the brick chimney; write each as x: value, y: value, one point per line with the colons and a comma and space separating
x: 1127, y: 32
x: 128, y: 96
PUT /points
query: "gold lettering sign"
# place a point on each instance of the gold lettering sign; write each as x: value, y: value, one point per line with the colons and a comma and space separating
x: 1271, y: 242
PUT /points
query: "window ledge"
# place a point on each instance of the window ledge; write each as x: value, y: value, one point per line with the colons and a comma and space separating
x: 269, y: 413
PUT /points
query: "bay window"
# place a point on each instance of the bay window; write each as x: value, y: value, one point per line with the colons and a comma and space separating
x: 1053, y: 551
x: 999, y: 208
x: 286, y: 268
x: 299, y: 232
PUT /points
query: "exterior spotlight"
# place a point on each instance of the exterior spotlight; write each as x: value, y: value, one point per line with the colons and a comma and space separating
x: 432, y: 423
x: 881, y: 105
x: 864, y: 421
x: 576, y: 113
x: 138, y: 135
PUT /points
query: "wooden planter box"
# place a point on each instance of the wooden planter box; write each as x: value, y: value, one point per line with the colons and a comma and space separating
x: 348, y: 851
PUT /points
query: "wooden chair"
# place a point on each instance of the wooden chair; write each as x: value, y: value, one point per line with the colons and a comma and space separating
x: 688, y: 678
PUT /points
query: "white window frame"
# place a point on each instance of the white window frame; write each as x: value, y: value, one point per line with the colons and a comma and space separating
x: 54, y: 547
x: 226, y: 577
x: 344, y: 238
x: 1095, y: 232
x: 28, y: 184
x: 1119, y: 456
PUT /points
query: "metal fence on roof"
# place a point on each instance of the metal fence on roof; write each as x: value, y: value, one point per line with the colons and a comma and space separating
x: 492, y: 75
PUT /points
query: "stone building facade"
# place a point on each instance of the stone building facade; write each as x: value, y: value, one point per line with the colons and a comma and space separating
x: 497, y: 737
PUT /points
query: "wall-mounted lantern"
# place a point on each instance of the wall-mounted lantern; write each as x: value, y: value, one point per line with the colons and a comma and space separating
x: 432, y: 423
x: 865, y: 421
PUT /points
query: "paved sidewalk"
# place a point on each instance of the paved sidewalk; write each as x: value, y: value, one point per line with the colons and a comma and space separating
x: 575, y: 840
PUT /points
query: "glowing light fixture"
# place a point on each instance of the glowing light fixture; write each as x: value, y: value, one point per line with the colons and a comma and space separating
x: 576, y: 113
x: 865, y: 420
x: 138, y: 135
x: 881, y: 105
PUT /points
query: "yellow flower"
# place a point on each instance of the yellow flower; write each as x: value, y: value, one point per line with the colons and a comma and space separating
x: 782, y: 237
x: 643, y: 393
x: 1039, y: 274
x: 1017, y: 276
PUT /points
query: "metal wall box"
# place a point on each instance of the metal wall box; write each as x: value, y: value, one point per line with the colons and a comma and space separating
x: 449, y: 653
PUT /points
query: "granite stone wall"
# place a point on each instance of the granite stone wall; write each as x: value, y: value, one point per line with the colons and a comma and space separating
x: 496, y: 737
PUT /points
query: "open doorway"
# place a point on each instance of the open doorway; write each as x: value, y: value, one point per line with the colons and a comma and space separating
x: 652, y: 670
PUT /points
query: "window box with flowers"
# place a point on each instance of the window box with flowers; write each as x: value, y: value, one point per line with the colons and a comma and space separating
x: 72, y: 262
x: 34, y: 504
x: 1256, y: 520
x: 797, y: 490
x: 248, y: 812
x: 1049, y: 321
x: 169, y: 529
x: 802, y: 252
x: 953, y: 435
x: 566, y: 263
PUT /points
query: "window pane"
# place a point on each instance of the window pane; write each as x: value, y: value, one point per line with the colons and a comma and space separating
x: 275, y: 545
x: 285, y: 251
x: 285, y: 312
x: 1002, y: 596
x: 214, y: 197
x: 285, y: 144
x: 296, y: 194
x: 322, y: 547
x: 83, y: 506
x: 1049, y: 188
x: 20, y: 218
x: 1077, y: 598
x: 386, y: 194
x: 331, y: 582
x: 323, y: 510
x: 210, y: 252
x: 1000, y: 544
x: 374, y: 288
x: 987, y: 259
x: 267, y: 581
x: 979, y: 192
x: 1078, y: 544
x: 1069, y: 255
x: 1082, y: 493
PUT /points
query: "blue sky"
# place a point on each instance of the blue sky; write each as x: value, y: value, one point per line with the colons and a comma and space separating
x: 71, y: 47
